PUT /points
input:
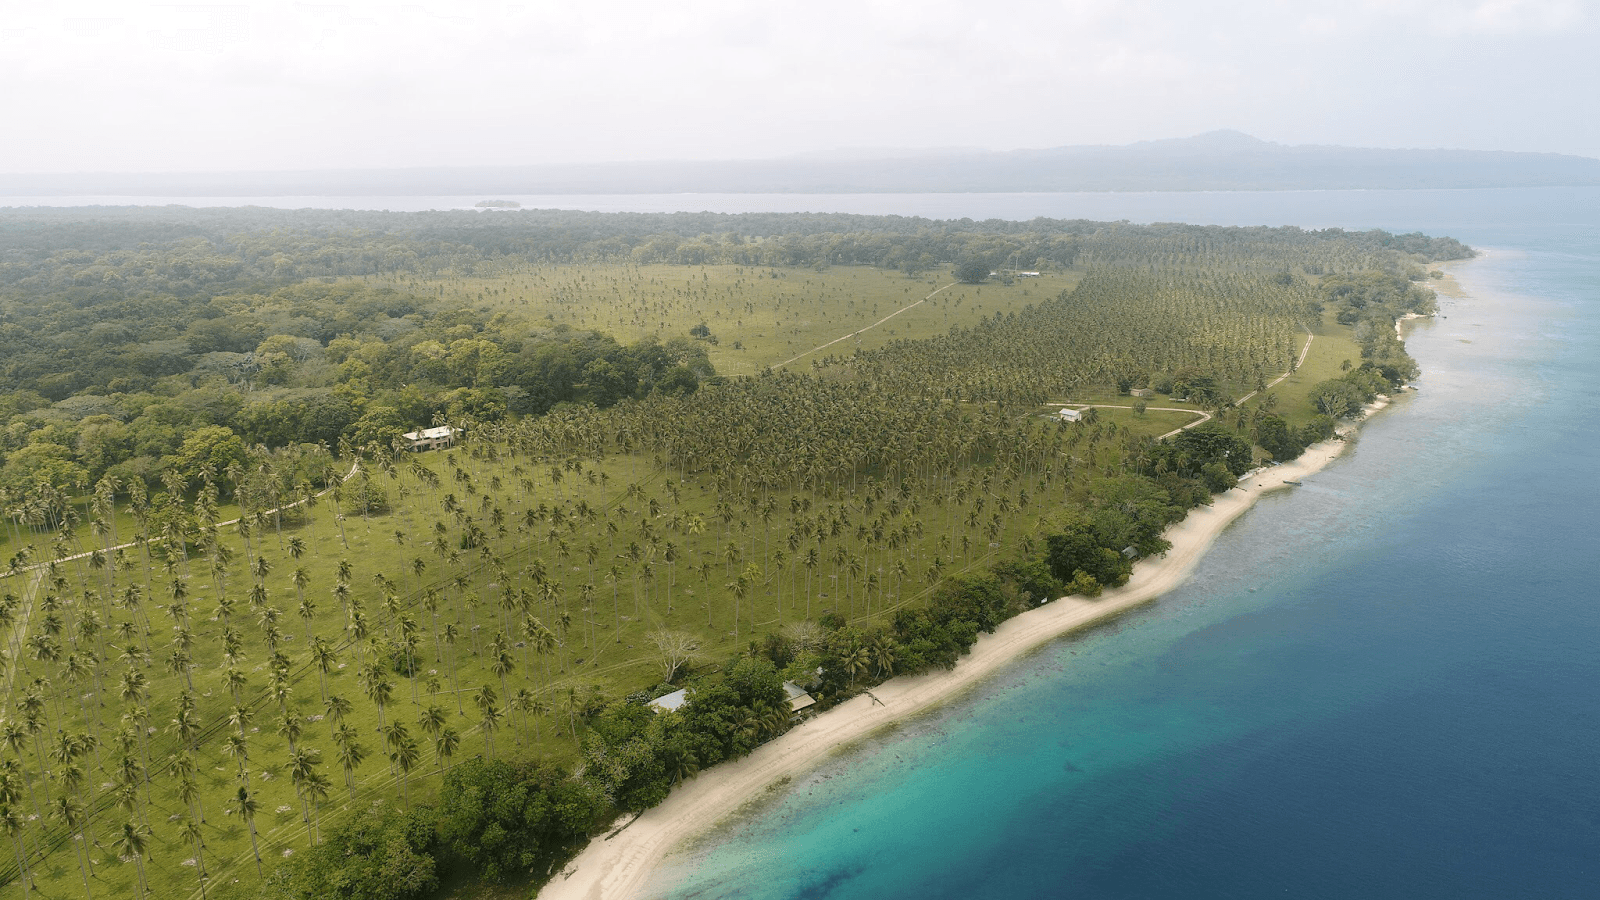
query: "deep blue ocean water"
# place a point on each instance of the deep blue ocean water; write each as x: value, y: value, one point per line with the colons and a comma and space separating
x: 1383, y: 684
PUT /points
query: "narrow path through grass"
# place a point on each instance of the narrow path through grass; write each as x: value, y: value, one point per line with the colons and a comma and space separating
x: 860, y: 331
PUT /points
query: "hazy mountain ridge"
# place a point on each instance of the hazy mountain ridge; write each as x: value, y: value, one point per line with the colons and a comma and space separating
x: 1216, y: 161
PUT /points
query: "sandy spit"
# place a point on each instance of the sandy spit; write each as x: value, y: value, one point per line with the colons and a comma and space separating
x: 619, y: 867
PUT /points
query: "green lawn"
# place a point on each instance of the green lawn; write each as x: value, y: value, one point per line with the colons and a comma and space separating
x: 1333, y: 346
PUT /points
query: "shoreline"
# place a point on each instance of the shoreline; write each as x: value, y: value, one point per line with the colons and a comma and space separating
x: 620, y: 865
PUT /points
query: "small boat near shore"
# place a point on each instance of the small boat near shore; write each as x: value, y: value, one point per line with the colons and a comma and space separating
x: 1290, y: 481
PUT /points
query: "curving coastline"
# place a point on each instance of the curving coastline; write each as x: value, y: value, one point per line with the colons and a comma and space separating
x: 620, y: 865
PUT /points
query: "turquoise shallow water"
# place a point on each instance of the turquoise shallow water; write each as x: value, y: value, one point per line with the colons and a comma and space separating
x: 1383, y: 684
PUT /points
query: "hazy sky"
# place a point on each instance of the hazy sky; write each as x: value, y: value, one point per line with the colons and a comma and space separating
x: 136, y: 86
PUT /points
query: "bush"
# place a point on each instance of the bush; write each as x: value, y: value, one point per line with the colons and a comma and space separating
x: 1217, y: 478
x: 505, y: 819
x: 1077, y: 549
x: 1084, y: 585
x: 972, y: 270
x: 386, y: 854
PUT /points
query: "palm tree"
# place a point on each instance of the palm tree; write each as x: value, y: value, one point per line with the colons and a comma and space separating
x: 380, y: 690
x: 237, y: 747
x: 303, y: 765
x: 485, y: 699
x: 683, y: 766
x: 881, y: 649
x: 445, y: 744
x: 522, y: 702
x: 307, y: 611
x: 449, y: 634
x: 182, y: 767
x: 856, y: 662
x: 337, y: 708
x: 289, y: 729
x: 70, y: 812
x: 404, y: 754
x: 131, y: 842
x: 191, y: 830
x: 432, y: 719
x: 394, y: 735
x: 14, y: 823
x: 740, y: 588
x: 350, y: 754
x: 502, y: 663
x: 315, y: 788
x: 535, y: 707
x: 810, y: 561
x: 543, y: 641
x: 245, y: 805
x: 326, y: 659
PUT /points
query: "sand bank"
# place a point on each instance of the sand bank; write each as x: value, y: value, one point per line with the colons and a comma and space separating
x: 619, y: 867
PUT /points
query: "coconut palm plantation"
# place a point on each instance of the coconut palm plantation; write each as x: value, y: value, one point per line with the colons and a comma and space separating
x: 255, y: 644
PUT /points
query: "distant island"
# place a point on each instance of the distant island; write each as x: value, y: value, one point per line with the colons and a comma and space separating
x: 498, y: 204
x: 1216, y: 161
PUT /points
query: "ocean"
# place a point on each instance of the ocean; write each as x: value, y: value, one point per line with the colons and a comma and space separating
x: 1385, y: 683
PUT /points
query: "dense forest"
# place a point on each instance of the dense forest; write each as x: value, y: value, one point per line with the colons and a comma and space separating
x: 237, y: 611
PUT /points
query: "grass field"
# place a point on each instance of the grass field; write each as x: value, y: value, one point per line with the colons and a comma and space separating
x: 1331, y: 349
x: 760, y: 316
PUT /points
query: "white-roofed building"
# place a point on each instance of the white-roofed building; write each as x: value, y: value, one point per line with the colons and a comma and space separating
x: 431, y: 438
x: 672, y: 701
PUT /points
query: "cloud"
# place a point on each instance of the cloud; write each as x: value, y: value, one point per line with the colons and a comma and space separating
x: 282, y: 85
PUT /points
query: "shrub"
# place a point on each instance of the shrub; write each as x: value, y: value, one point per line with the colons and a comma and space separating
x: 384, y: 855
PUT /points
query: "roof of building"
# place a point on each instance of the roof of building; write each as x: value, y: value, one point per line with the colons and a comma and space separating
x: 432, y: 434
x: 798, y: 697
x: 671, y: 701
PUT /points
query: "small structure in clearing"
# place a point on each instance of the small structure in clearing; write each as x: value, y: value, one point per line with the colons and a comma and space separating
x: 431, y: 438
x: 1069, y: 415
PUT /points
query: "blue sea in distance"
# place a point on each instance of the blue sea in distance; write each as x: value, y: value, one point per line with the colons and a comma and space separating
x: 1385, y: 683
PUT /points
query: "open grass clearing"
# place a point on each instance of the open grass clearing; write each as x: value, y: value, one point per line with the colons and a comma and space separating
x: 760, y: 316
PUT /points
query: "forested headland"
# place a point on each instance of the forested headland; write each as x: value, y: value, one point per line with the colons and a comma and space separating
x: 238, y: 615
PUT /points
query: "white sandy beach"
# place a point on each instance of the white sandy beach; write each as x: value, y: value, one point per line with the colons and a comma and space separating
x: 619, y: 867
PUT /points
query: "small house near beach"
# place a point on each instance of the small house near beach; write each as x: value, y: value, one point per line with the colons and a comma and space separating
x: 798, y: 697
